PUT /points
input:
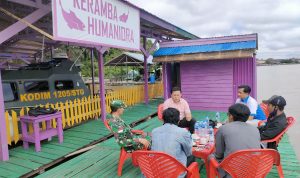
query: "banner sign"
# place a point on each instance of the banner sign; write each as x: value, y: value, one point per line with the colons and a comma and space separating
x: 111, y: 23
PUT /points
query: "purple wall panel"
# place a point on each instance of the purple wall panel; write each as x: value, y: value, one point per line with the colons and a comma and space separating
x: 169, y: 80
x: 212, y: 85
x: 244, y: 73
x: 207, y: 85
x: 3, y: 137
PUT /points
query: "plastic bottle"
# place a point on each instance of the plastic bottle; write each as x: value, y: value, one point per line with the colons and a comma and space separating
x: 211, y: 135
x: 197, y: 128
x: 207, y: 122
x: 206, y: 126
x: 218, y: 117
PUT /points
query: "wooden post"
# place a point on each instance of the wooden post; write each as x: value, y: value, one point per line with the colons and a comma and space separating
x: 3, y: 136
x: 101, y: 81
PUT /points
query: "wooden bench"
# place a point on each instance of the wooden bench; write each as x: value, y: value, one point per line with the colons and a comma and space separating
x: 39, y: 134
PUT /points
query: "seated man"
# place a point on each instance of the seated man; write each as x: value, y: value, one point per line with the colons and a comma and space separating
x: 122, y: 132
x: 171, y: 139
x: 236, y: 135
x: 182, y: 106
x: 244, y: 97
x: 276, y: 122
x: 264, y: 105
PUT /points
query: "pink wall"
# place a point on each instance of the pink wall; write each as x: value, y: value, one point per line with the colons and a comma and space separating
x: 211, y: 85
x: 244, y: 74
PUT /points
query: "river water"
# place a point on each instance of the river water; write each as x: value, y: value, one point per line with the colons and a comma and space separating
x: 283, y: 80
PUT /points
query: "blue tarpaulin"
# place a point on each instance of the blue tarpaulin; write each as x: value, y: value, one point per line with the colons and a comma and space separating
x: 230, y: 46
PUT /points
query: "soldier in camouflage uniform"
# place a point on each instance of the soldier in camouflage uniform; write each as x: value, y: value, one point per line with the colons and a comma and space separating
x: 122, y: 131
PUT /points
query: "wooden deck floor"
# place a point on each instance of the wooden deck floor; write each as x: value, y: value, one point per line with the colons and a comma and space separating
x: 102, y: 160
x: 25, y: 161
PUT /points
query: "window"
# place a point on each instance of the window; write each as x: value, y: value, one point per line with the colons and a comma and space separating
x: 36, y: 86
x: 10, y: 92
x: 64, y: 85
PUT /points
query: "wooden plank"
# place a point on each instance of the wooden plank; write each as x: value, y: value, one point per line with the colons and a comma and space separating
x: 131, y: 171
x: 66, y: 145
x: 93, y: 134
x: 63, y: 150
x: 14, y: 168
x: 53, y: 151
x: 7, y: 173
x: 206, y: 56
x: 24, y: 163
x: 31, y: 151
x: 71, y: 167
x: 27, y: 23
x: 74, y: 137
x: 91, y: 137
x: 7, y: 128
x: 33, y: 158
x: 74, y: 141
x: 97, y: 164
x: 100, y: 130
x: 206, y: 82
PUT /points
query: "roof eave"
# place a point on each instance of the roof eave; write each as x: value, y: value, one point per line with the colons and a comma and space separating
x: 220, y: 55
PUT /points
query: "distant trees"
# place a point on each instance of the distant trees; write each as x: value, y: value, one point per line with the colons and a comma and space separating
x: 282, y: 61
x: 289, y: 61
x: 85, y: 59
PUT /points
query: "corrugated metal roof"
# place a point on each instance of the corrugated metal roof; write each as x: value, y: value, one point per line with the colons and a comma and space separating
x: 129, y: 59
x: 139, y: 57
x: 205, y: 48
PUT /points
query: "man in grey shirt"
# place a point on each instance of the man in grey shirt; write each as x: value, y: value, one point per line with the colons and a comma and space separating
x: 237, y: 134
x: 172, y: 139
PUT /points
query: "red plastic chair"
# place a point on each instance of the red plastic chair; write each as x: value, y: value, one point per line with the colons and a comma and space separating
x: 160, y: 110
x: 256, y: 163
x: 291, y: 121
x: 161, y: 165
x: 124, y: 155
x: 264, y: 107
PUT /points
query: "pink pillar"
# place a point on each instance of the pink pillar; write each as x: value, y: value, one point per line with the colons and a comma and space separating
x: 101, y: 82
x: 165, y: 80
x: 254, y: 80
x: 146, y: 95
x: 3, y: 137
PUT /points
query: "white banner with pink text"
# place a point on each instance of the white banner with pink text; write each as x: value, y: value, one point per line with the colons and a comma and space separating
x: 111, y: 23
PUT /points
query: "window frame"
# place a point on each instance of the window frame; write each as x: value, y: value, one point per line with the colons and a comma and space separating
x: 36, y: 81
x: 73, y: 86
x: 15, y: 93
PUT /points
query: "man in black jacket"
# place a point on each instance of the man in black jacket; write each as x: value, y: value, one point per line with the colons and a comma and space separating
x: 276, y: 122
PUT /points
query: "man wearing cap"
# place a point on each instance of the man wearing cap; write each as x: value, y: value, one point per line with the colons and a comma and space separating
x: 276, y: 122
x: 264, y: 105
x: 245, y: 98
x: 122, y: 131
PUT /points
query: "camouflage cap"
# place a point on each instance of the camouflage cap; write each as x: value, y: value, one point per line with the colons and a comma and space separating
x: 118, y: 104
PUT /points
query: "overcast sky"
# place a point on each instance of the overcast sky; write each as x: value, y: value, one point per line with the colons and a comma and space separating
x: 277, y: 22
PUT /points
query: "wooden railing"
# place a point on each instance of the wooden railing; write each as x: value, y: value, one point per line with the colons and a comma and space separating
x: 79, y: 110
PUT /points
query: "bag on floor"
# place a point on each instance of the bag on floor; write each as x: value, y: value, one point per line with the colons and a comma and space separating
x: 41, y: 111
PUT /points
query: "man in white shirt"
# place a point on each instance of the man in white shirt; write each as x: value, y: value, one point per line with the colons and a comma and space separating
x: 244, y: 97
